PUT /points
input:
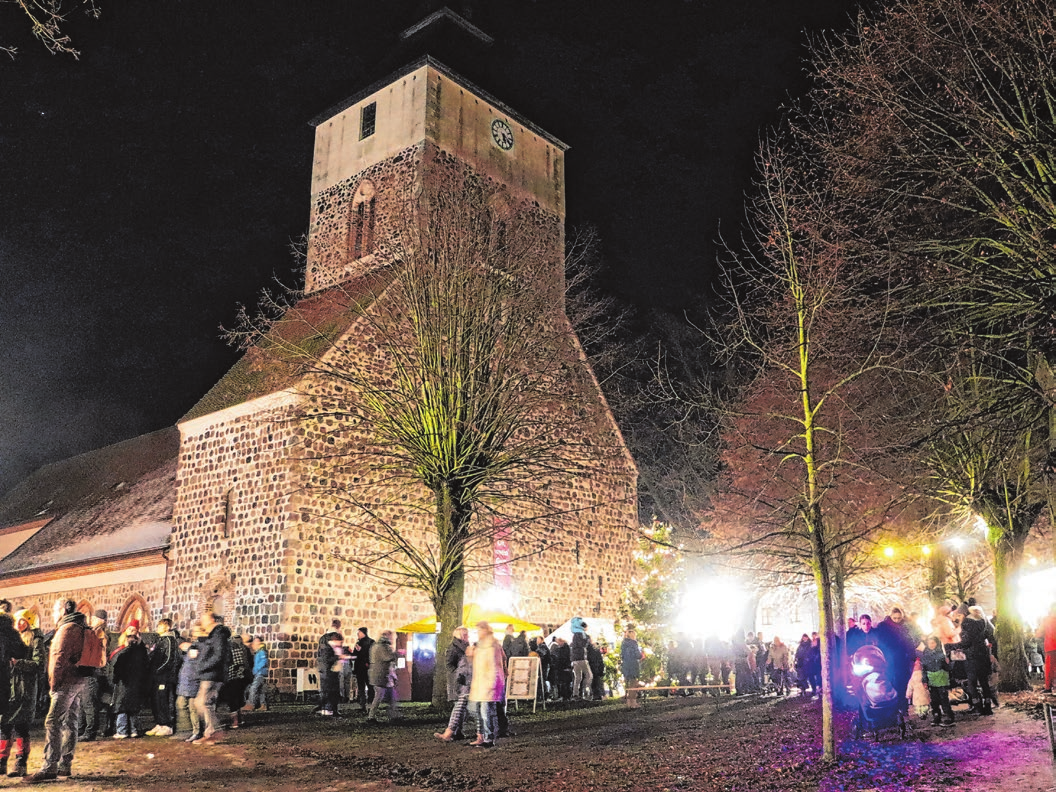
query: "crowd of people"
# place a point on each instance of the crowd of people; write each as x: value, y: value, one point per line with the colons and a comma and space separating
x: 93, y: 683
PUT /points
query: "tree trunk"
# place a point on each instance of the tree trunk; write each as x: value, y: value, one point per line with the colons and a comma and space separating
x: 823, y: 580
x: 448, y: 617
x: 1012, y: 656
x: 937, y: 577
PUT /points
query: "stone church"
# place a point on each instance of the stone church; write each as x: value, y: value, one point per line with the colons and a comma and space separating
x: 216, y: 512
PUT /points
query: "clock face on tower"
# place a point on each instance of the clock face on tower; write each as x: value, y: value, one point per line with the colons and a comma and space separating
x: 502, y: 134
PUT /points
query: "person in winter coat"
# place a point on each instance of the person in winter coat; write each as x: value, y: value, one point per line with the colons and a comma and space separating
x: 561, y: 669
x: 236, y: 678
x: 255, y: 699
x: 743, y: 656
x: 596, y: 661
x: 186, y: 689
x: 383, y: 677
x: 581, y: 673
x: 214, y: 656
x: 329, y: 662
x: 361, y: 668
x: 631, y: 666
x: 802, y: 660
x: 935, y: 668
x: 328, y: 657
x: 537, y: 646
x: 975, y: 633
x: 25, y: 674
x: 780, y: 662
x: 95, y: 711
x: 164, y: 671
x: 131, y: 681
x: 488, y: 686
x: 899, y: 645
x: 459, y: 676
x: 1047, y: 635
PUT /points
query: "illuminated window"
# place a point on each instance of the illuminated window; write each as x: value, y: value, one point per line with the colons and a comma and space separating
x: 135, y: 608
x: 765, y: 616
x: 361, y: 221
x: 368, y: 118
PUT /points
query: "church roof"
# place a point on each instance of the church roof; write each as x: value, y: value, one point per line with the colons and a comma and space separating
x: 311, y: 324
x: 110, y: 502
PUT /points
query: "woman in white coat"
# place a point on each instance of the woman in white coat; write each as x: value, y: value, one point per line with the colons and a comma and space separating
x: 488, y: 685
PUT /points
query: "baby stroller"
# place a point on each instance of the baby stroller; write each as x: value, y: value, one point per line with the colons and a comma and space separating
x: 879, y: 705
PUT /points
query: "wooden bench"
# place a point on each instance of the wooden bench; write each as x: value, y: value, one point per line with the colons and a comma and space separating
x: 642, y: 690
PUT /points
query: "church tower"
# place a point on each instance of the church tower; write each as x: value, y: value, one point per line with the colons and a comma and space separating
x: 373, y: 148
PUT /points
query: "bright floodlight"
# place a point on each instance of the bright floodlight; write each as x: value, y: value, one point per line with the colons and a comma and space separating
x: 926, y: 550
x: 1037, y: 591
x: 711, y: 607
x: 957, y: 542
x: 889, y: 551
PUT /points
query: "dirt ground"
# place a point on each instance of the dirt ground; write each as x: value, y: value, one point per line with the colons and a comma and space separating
x: 694, y: 743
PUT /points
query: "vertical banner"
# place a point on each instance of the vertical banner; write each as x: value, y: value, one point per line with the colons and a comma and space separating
x: 501, y: 556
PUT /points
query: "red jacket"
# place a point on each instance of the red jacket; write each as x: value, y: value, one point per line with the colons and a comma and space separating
x: 1048, y: 632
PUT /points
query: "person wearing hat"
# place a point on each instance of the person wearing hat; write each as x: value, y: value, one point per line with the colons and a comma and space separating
x: 582, y: 675
x: 25, y: 673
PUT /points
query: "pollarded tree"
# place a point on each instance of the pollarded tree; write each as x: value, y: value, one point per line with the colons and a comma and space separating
x: 811, y: 322
x: 455, y: 410
x: 986, y: 459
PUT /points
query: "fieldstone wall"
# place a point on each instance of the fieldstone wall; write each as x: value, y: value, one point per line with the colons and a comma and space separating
x: 111, y: 598
x: 234, y: 481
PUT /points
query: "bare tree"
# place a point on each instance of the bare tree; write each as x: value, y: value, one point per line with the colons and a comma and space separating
x: 818, y: 337
x: 938, y: 119
x: 47, y: 21
x: 453, y: 405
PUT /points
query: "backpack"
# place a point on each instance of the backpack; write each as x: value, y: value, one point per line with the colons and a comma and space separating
x: 92, y: 653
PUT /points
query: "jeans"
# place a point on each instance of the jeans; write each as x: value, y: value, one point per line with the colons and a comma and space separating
x: 581, y: 676
x: 487, y: 719
x: 330, y: 691
x: 60, y: 725
x: 128, y: 723
x: 187, y: 716
x: 89, y: 704
x: 205, y: 704
x: 380, y: 695
x: 256, y: 697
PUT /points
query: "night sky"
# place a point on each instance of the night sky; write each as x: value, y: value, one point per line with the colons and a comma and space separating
x: 153, y: 185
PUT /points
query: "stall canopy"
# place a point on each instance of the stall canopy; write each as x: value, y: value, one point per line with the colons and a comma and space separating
x: 473, y: 614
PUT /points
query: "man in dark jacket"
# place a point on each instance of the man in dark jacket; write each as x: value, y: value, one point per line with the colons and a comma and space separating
x: 66, y: 682
x: 214, y: 655
x: 164, y: 671
x: 361, y: 666
x: 895, y: 640
x: 976, y: 633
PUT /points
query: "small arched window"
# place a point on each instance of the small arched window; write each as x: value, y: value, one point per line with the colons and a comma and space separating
x: 134, y: 608
x: 361, y: 221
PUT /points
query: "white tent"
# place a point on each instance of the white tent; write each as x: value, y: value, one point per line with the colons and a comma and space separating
x: 596, y: 629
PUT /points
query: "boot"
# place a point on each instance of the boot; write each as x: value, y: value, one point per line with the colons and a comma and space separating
x: 20, y: 768
x: 936, y: 719
x: 986, y: 709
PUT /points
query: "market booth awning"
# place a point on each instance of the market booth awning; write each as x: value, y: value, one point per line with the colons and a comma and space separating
x: 472, y: 614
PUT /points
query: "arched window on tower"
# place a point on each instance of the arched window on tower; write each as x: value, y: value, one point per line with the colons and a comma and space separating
x: 361, y: 221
